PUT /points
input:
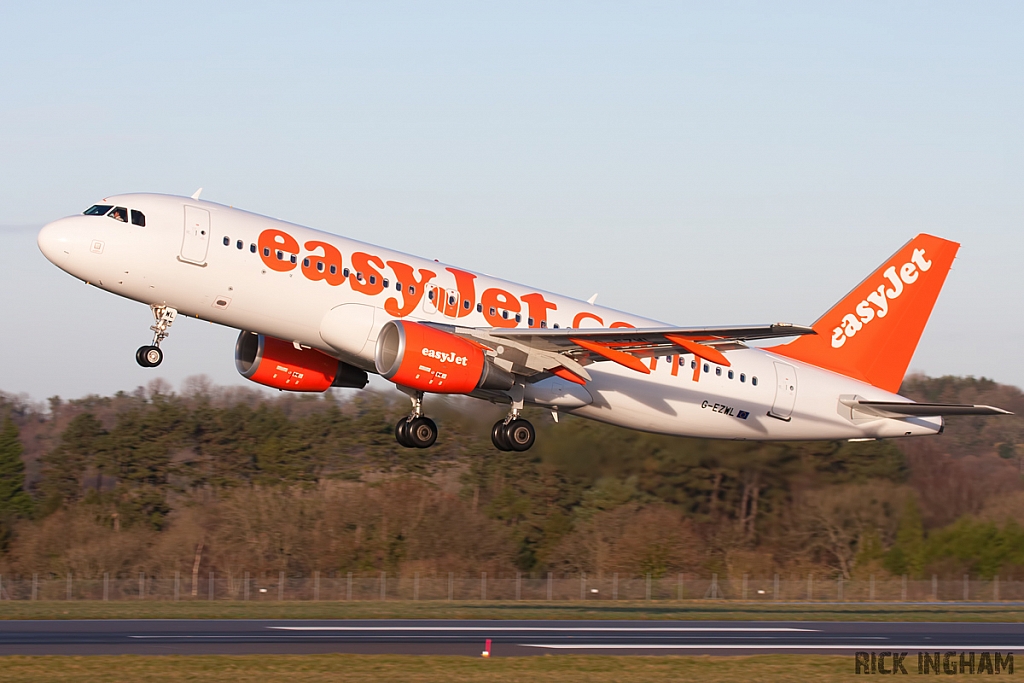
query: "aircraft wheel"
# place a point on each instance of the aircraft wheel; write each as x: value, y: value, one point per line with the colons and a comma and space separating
x: 149, y: 356
x: 498, y: 437
x: 520, y: 435
x: 402, y: 433
x: 422, y: 432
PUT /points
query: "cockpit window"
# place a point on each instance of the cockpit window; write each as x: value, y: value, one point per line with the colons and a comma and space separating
x: 119, y: 214
x: 97, y: 210
x: 138, y: 218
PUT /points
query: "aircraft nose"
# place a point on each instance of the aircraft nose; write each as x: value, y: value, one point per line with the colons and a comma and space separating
x: 54, y: 241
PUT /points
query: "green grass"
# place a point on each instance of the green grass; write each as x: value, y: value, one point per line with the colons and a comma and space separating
x: 445, y: 669
x: 690, y: 610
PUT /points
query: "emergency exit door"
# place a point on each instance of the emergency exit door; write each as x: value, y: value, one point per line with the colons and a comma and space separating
x: 785, y: 391
x: 196, y: 240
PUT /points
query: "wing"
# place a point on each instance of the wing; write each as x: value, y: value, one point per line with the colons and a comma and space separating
x: 535, y: 353
x: 634, y: 339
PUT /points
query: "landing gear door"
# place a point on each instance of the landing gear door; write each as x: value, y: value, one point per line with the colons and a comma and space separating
x: 785, y: 391
x: 196, y: 240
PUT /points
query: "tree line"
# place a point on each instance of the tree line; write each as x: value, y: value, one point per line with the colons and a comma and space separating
x: 233, y: 480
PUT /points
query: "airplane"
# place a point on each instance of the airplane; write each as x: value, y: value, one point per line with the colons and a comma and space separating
x: 316, y: 311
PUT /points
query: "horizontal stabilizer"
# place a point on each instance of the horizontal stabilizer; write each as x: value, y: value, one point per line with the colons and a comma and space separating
x: 901, y: 409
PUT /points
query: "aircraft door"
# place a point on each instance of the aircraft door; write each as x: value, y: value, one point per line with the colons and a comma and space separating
x: 450, y: 301
x: 196, y: 240
x: 431, y: 301
x: 785, y: 391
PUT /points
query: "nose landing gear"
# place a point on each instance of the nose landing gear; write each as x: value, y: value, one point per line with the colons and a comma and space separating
x: 151, y: 356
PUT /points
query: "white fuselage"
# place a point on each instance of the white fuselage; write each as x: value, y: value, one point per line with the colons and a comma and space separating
x: 168, y: 262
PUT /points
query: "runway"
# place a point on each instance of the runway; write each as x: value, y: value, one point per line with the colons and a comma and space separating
x: 509, y: 638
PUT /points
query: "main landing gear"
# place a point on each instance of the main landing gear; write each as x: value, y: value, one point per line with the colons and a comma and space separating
x: 151, y: 356
x: 510, y: 434
x: 514, y: 433
x: 416, y: 430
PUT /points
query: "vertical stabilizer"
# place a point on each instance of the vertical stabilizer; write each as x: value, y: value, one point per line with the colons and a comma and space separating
x: 872, y: 333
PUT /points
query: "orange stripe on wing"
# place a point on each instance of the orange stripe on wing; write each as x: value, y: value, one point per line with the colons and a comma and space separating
x: 568, y: 375
x: 621, y: 357
x: 699, y: 350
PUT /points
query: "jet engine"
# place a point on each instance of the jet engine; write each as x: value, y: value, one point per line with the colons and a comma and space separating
x: 278, y: 364
x: 428, y: 359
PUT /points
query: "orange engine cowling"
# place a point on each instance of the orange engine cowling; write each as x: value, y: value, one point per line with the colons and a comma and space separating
x: 278, y: 364
x: 428, y: 359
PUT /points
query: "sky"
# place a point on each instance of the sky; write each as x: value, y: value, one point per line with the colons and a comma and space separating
x: 697, y: 163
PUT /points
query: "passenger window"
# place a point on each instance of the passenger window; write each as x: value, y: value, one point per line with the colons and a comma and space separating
x: 266, y: 251
x: 706, y: 367
x: 743, y: 377
x: 373, y: 279
x: 359, y: 276
x: 252, y: 248
x: 119, y: 213
x: 519, y: 318
x: 693, y: 365
x: 345, y: 272
x: 294, y: 258
x: 718, y: 371
x: 238, y: 244
x: 398, y: 286
x: 280, y: 255
x: 682, y: 362
x: 467, y: 304
x: 334, y: 269
x: 305, y: 263
x: 97, y: 210
x: 556, y: 326
x: 529, y: 321
x: 543, y: 324
x: 504, y: 314
x: 320, y: 266
x: 138, y: 218
x: 386, y: 283
x: 730, y: 374
x: 412, y: 290
x: 451, y: 300
x: 753, y: 380
x: 430, y: 295
x: 493, y: 312
x: 227, y: 241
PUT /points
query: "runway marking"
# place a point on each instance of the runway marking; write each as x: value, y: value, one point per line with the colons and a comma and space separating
x: 724, y: 646
x: 558, y: 629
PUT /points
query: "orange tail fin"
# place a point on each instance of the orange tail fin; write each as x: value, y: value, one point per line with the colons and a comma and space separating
x: 871, y: 334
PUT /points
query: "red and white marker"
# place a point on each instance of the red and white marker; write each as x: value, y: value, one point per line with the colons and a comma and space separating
x: 487, y: 649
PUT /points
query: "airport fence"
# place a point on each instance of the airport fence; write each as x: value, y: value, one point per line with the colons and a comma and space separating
x: 529, y: 587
